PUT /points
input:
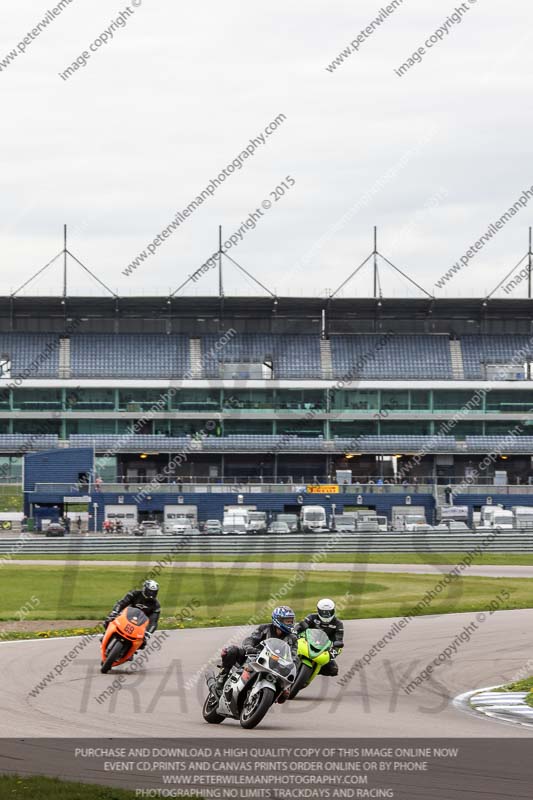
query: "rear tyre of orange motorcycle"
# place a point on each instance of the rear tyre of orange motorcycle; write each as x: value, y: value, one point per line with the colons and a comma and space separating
x: 114, y: 653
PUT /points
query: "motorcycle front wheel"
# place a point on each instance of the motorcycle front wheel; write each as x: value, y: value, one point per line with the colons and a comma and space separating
x: 209, y: 711
x: 255, y: 708
x: 114, y: 653
x: 302, y: 679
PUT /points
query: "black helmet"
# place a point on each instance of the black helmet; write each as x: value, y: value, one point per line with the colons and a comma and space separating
x: 150, y: 589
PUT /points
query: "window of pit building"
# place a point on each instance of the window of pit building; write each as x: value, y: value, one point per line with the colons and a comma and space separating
x: 90, y: 399
x: 355, y: 400
x: 509, y: 402
x: 139, y: 399
x: 452, y: 400
x: 196, y: 400
x: 37, y: 400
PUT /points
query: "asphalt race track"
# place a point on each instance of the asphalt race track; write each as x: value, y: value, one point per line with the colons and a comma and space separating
x: 156, y: 701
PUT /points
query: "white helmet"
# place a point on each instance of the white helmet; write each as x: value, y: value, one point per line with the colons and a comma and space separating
x: 326, y: 610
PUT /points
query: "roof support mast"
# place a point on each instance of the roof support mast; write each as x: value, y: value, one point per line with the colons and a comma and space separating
x: 377, y: 284
x: 64, y: 262
x: 375, y: 254
x: 513, y: 283
x: 220, y: 280
x: 529, y: 254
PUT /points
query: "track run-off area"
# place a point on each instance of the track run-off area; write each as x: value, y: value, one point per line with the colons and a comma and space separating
x: 164, y: 696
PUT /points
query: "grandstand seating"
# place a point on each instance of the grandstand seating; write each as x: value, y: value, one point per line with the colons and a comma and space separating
x: 398, y: 356
x: 32, y: 355
x: 370, y: 356
x: 495, y: 349
x: 284, y: 442
x: 292, y: 357
x: 22, y: 442
x: 113, y: 442
x: 505, y: 443
x: 363, y: 356
x: 130, y: 355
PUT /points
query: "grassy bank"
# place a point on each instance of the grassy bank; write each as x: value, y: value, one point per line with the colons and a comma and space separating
x: 196, y: 598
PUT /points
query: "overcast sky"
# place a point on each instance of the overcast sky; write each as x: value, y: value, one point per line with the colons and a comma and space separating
x: 431, y: 158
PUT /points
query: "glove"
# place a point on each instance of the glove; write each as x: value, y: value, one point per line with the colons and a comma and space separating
x: 333, y: 653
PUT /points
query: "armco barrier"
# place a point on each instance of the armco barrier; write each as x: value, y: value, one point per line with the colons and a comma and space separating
x: 502, y: 542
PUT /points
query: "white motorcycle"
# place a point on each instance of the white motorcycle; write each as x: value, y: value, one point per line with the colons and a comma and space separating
x: 250, y: 690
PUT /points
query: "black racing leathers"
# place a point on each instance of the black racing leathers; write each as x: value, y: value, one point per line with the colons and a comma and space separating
x: 151, y: 607
x: 233, y: 654
x: 334, y: 629
x: 268, y: 631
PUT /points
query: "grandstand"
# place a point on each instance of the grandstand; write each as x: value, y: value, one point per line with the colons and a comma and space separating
x: 270, y: 389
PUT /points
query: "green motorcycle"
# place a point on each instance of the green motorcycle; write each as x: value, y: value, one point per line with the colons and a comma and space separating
x: 314, y: 652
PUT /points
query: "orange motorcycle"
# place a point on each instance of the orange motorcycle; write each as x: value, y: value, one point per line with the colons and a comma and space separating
x: 123, y: 637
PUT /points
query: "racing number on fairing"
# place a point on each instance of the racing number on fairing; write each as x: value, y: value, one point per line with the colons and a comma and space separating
x: 129, y: 628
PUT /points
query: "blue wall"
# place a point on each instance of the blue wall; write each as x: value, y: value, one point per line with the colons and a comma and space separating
x: 57, y: 466
x: 211, y: 505
x: 63, y: 467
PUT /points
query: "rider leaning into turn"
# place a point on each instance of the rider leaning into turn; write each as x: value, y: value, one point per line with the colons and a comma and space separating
x: 146, y: 600
x: 326, y: 619
x: 281, y: 627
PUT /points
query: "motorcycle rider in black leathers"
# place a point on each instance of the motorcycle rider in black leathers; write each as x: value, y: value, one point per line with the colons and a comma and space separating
x: 281, y: 627
x: 146, y: 600
x: 326, y: 619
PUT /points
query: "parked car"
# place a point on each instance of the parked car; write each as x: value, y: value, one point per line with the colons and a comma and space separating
x: 343, y: 523
x: 234, y: 528
x: 213, y: 527
x: 55, y: 529
x: 279, y: 527
x: 452, y: 525
x: 150, y: 527
x: 180, y: 527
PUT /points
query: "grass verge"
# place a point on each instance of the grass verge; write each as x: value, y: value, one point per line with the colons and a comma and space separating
x: 14, y: 786
x: 524, y: 685
x: 192, y: 597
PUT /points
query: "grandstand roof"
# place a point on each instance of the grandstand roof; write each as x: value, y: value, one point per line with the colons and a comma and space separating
x: 264, y: 314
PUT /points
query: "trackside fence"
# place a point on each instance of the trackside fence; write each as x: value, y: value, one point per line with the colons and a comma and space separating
x: 395, y: 542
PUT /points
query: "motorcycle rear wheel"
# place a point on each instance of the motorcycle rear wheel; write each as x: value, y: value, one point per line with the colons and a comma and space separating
x: 300, y: 682
x: 253, y: 711
x: 114, y: 653
x: 209, y: 711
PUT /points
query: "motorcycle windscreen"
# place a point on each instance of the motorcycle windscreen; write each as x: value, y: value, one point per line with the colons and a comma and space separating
x: 318, y: 639
x: 279, y: 656
x: 136, y: 616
